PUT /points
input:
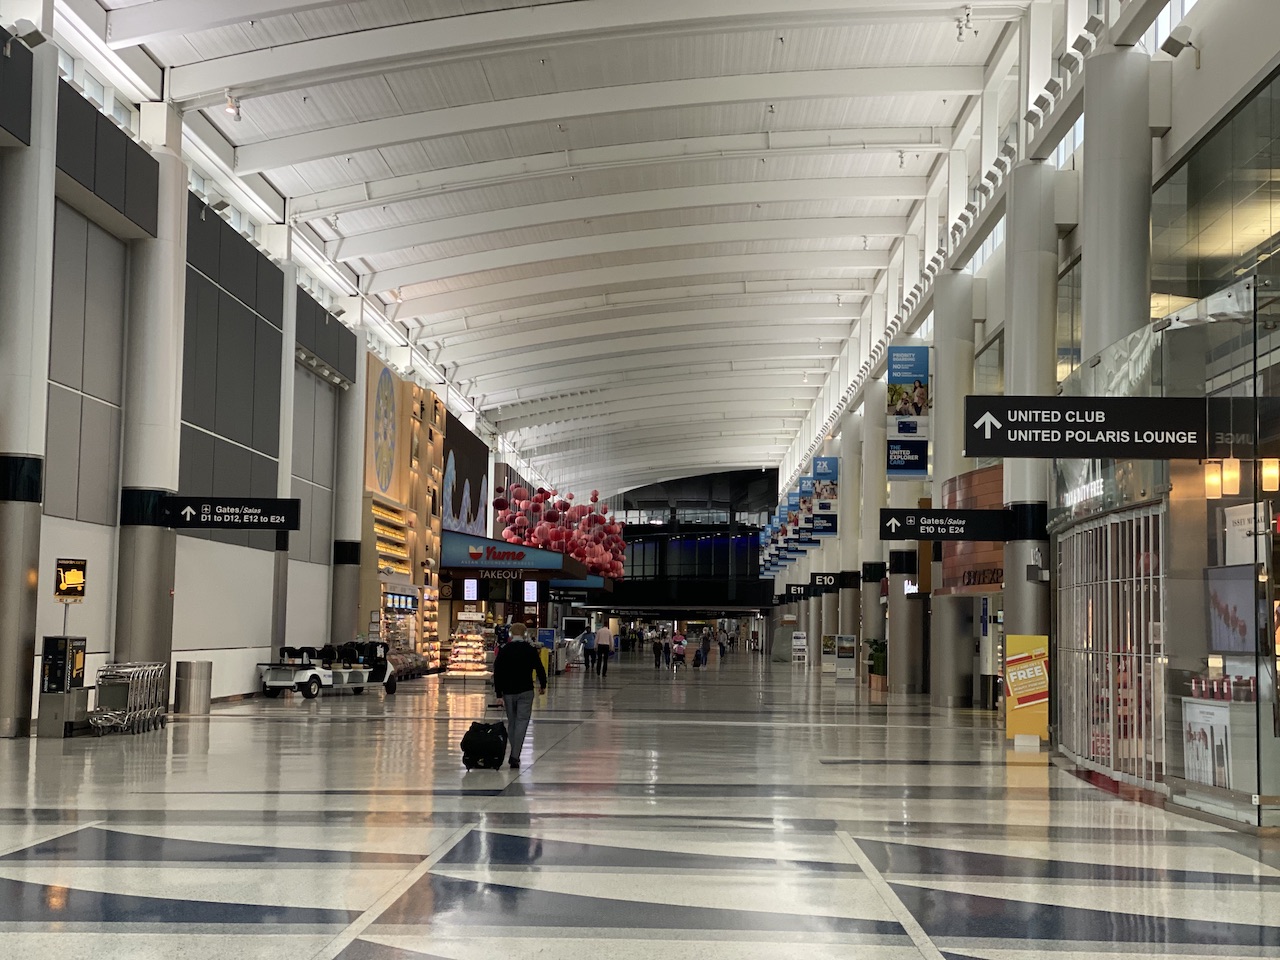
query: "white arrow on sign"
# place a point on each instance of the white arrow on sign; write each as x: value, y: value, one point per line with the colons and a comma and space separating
x: 986, y: 422
x: 188, y: 513
x: 893, y: 524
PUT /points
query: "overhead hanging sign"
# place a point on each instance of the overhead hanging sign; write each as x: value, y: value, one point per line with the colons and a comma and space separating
x: 945, y: 524
x: 1141, y: 428
x: 826, y: 495
x: 908, y: 391
x: 231, y: 513
x: 907, y: 459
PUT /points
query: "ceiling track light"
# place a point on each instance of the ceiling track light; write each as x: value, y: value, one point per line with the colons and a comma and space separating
x: 232, y: 107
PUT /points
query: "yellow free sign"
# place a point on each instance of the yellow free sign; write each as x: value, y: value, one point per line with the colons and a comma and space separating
x: 1026, y: 685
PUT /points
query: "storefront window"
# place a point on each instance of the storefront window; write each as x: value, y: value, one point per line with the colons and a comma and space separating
x: 1166, y: 617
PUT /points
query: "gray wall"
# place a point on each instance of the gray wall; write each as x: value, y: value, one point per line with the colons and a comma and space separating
x: 86, y: 371
x: 314, y: 431
x: 231, y: 371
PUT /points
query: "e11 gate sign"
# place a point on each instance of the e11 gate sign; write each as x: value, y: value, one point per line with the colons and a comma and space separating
x: 1138, y: 428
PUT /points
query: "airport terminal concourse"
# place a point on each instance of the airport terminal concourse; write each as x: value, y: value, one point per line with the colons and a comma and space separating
x: 718, y: 480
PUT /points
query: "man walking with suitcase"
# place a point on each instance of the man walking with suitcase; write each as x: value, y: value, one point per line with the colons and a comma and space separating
x: 513, y: 671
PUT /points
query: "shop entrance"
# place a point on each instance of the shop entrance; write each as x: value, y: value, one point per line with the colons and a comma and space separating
x: 1111, y: 661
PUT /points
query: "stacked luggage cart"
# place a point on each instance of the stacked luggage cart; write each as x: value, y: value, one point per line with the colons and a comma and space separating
x: 132, y: 697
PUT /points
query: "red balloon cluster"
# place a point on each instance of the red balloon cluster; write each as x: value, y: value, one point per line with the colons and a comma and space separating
x: 546, y: 520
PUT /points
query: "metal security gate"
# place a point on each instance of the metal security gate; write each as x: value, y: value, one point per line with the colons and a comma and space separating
x: 1110, y: 645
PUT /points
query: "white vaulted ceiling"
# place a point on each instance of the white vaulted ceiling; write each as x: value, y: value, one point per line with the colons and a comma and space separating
x: 636, y: 233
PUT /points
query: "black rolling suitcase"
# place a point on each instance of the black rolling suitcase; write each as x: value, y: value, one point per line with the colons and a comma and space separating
x: 484, y: 746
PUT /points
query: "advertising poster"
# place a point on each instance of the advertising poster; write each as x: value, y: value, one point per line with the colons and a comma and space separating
x: 826, y: 495
x: 1026, y: 684
x: 907, y: 433
x: 1206, y: 733
x: 806, y: 503
x: 907, y: 459
x: 466, y: 479
x: 846, y: 656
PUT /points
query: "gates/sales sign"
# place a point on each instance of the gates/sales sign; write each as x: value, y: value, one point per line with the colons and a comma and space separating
x: 231, y: 513
x: 945, y: 524
x: 1141, y: 428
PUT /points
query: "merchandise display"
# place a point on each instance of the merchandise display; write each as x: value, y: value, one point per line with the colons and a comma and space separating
x: 468, y: 655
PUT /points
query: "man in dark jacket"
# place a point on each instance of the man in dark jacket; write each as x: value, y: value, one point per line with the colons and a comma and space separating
x: 513, y: 671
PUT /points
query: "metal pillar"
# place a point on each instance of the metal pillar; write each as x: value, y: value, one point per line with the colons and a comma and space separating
x: 348, y: 508
x: 1116, y: 216
x: 26, y: 277
x: 951, y: 652
x: 152, y: 425
x: 874, y: 495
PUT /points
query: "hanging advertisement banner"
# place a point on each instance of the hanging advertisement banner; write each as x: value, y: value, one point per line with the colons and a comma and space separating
x: 907, y: 459
x: 1026, y: 682
x: 826, y: 495
x: 907, y: 433
x: 806, y: 504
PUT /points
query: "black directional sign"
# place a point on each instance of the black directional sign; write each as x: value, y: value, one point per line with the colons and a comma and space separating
x: 824, y: 582
x: 945, y: 524
x: 1139, y: 428
x: 231, y: 513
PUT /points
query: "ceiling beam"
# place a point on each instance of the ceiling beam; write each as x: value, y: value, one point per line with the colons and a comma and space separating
x: 780, y: 292
x: 429, y: 232
x: 624, y: 435
x: 862, y: 260
x: 548, y: 404
x: 130, y: 26
x: 736, y: 232
x: 489, y: 173
x: 500, y: 394
x: 623, y: 344
x: 558, y: 107
x: 705, y: 430
x: 590, y: 404
x: 693, y: 403
x: 544, y: 331
x: 401, y: 46
x: 716, y: 359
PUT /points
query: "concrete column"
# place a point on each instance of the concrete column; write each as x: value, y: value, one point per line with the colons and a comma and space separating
x: 950, y: 641
x: 1031, y: 242
x: 953, y: 375
x: 957, y: 187
x: 951, y: 652
x: 152, y: 424
x: 849, y: 524
x: 284, y: 477
x: 1116, y: 217
x: 26, y: 277
x: 348, y: 506
x: 874, y: 493
x: 906, y: 611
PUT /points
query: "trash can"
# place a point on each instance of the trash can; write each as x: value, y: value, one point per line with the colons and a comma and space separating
x: 193, y: 685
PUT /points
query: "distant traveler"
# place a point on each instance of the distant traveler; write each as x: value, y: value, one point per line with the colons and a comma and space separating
x: 706, y: 646
x: 666, y: 649
x: 513, y: 671
x: 677, y: 650
x: 604, y: 647
x: 589, y: 648
x: 657, y: 653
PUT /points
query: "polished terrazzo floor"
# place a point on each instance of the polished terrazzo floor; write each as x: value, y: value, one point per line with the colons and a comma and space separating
x: 744, y: 812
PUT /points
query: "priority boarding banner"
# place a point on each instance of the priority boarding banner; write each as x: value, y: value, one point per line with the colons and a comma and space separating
x: 826, y: 495
x: 907, y: 426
